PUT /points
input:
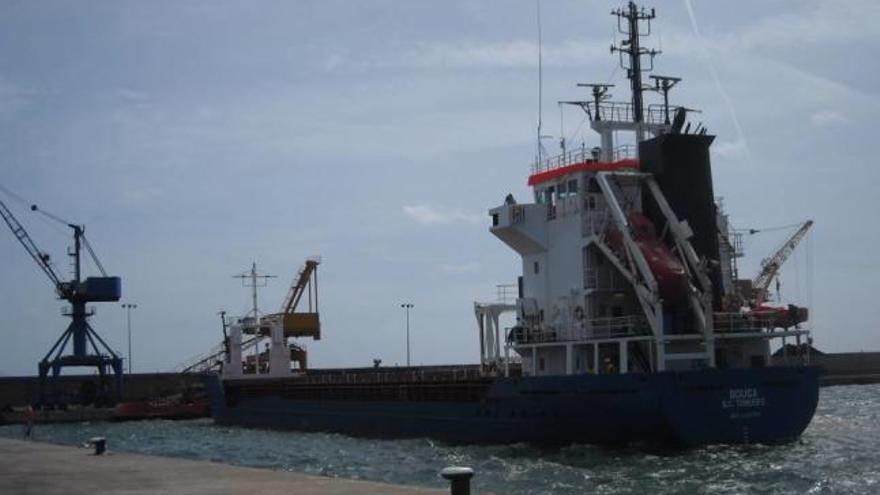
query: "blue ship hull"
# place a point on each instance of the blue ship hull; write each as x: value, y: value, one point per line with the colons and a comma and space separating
x: 762, y: 405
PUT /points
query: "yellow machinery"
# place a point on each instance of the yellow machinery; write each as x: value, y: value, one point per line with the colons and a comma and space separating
x: 302, y: 323
x: 294, y: 323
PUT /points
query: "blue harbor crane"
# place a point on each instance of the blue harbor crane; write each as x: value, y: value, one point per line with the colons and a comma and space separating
x: 79, y: 333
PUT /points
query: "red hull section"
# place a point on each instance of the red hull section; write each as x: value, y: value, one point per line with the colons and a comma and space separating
x: 161, y: 409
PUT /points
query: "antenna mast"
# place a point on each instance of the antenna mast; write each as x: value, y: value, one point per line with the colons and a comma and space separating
x: 256, y: 280
x: 600, y: 94
x: 540, y: 153
x: 663, y: 84
x: 633, y: 16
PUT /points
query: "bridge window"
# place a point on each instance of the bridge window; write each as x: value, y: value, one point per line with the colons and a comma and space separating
x: 567, y: 189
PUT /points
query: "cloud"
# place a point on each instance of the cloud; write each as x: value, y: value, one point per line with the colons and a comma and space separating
x: 13, y: 97
x: 827, y: 118
x: 808, y: 23
x: 132, y: 95
x: 429, y: 215
x: 140, y: 196
x: 334, y: 61
x: 730, y: 149
x: 824, y: 22
x: 469, y: 267
x: 517, y: 54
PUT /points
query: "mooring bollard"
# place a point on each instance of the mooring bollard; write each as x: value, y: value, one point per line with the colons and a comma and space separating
x: 459, y: 479
x: 100, y: 444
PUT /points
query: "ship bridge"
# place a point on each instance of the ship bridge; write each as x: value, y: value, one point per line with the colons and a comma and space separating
x: 622, y: 266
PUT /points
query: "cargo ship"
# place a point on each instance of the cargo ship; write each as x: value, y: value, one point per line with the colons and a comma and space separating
x: 632, y: 323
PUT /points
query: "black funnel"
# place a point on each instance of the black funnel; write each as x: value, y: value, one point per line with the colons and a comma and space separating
x: 680, y: 164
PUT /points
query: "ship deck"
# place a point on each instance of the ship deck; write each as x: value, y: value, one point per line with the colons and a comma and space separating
x: 458, y: 383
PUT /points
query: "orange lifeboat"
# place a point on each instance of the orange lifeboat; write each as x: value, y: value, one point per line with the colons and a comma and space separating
x: 667, y: 270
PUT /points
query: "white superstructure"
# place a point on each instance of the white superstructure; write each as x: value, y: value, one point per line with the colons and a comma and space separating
x: 281, y: 354
x: 614, y: 278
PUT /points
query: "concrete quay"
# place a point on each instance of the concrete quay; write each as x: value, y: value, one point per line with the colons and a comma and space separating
x: 45, y: 469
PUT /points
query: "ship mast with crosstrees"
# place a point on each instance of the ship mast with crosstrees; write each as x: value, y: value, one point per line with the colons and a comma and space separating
x: 625, y: 264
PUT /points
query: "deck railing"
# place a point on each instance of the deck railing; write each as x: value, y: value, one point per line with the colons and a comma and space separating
x: 392, y: 375
x: 592, y: 329
x: 621, y: 111
x: 506, y: 293
x: 739, y: 322
x: 581, y: 155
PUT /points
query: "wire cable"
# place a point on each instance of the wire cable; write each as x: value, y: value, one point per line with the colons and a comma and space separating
x: 30, y: 206
x: 53, y: 220
x: 14, y: 196
x: 51, y: 216
x: 581, y: 125
x: 54, y: 226
x: 93, y: 256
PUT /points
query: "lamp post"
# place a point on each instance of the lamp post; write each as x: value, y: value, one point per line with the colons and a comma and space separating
x: 407, y: 307
x: 128, y: 308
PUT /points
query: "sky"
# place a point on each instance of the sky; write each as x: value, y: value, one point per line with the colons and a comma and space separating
x: 193, y: 138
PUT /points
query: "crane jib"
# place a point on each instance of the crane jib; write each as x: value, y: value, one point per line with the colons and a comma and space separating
x: 89, y: 349
x: 24, y: 238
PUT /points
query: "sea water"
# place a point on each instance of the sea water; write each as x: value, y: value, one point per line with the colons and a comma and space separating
x: 838, y: 453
